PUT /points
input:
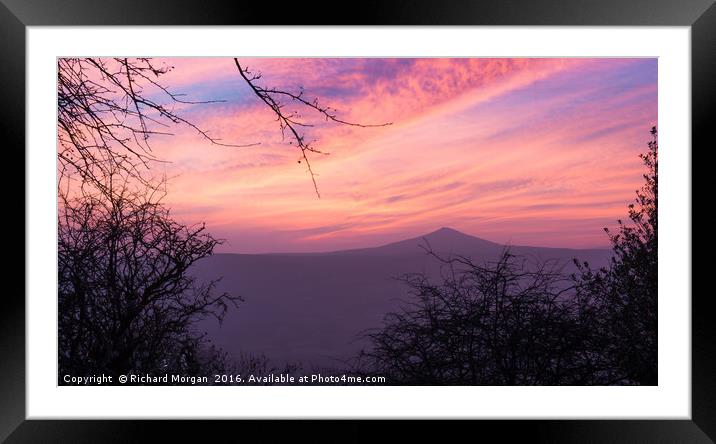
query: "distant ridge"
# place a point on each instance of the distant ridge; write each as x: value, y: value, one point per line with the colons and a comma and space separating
x: 445, y: 240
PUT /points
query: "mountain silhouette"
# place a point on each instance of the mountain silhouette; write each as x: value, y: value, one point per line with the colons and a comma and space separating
x: 310, y: 307
x: 445, y: 240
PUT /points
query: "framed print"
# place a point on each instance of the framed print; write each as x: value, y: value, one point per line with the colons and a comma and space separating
x: 417, y: 212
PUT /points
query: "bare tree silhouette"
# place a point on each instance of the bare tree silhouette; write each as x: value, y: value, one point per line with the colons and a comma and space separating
x: 126, y: 300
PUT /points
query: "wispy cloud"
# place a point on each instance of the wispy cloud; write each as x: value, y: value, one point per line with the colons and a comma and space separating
x: 534, y: 151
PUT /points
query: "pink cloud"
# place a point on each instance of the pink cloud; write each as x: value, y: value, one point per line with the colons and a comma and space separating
x: 531, y: 151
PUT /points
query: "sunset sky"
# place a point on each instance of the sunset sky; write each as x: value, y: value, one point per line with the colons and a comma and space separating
x: 524, y: 151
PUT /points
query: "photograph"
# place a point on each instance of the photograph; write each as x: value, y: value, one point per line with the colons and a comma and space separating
x: 343, y: 221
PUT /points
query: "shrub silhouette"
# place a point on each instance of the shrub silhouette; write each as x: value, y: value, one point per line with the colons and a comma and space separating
x: 625, y: 293
x: 509, y: 322
x: 127, y: 303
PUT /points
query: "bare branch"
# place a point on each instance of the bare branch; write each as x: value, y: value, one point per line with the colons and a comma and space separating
x: 106, y: 116
x: 290, y: 121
